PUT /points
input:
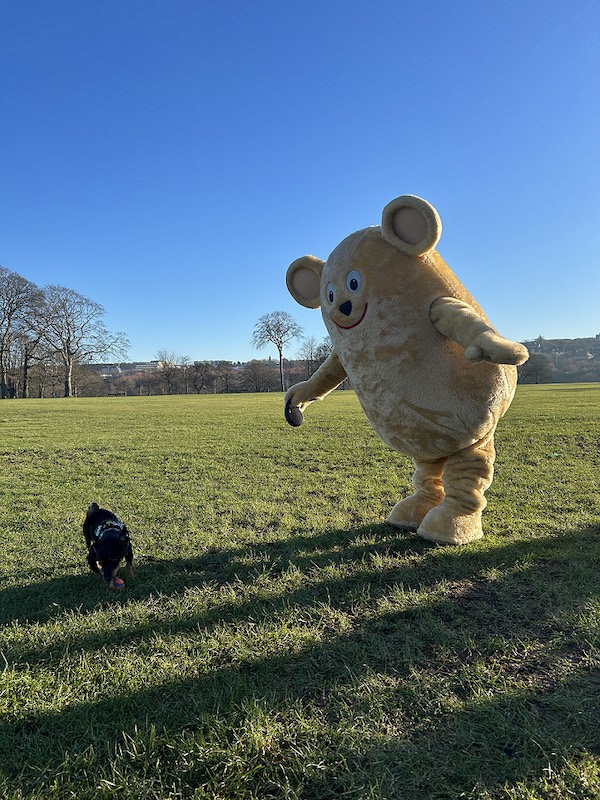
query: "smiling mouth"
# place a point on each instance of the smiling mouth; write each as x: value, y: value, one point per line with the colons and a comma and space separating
x: 354, y: 324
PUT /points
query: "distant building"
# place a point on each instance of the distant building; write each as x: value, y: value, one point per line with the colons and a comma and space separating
x: 129, y: 368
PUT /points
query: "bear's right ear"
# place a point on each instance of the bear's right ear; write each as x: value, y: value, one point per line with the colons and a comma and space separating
x: 303, y: 281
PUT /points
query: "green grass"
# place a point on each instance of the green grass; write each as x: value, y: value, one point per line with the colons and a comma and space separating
x: 280, y: 640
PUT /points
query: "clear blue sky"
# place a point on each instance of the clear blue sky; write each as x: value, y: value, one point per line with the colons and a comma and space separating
x: 168, y: 159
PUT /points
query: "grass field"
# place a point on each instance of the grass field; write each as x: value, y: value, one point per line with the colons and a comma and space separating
x: 280, y: 640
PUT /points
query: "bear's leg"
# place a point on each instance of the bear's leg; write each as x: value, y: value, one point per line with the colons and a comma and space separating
x: 427, y: 480
x: 468, y: 473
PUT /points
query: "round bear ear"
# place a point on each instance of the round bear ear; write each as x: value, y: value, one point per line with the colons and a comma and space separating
x: 303, y: 280
x: 411, y: 224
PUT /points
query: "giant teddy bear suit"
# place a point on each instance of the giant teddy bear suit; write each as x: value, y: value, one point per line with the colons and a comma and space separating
x: 431, y: 373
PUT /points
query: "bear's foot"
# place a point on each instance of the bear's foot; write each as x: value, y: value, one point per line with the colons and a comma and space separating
x: 410, y: 512
x: 447, y: 526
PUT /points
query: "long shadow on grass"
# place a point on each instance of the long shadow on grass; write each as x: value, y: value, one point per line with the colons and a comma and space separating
x: 512, y: 728
x: 415, y: 564
x: 240, y: 570
x: 43, y: 600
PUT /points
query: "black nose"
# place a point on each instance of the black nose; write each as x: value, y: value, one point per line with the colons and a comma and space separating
x: 346, y: 308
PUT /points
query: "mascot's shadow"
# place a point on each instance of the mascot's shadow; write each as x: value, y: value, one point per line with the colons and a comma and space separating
x: 48, y: 599
x: 45, y: 599
x: 560, y: 712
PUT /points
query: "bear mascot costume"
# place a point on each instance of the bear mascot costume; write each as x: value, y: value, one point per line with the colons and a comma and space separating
x: 431, y: 373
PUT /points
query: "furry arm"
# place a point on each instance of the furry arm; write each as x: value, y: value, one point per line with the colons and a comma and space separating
x: 458, y: 321
x: 329, y: 375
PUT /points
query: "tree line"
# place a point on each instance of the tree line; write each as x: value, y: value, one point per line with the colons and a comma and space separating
x: 51, y: 337
x: 561, y: 361
x: 572, y: 361
x: 177, y: 374
x: 46, y: 333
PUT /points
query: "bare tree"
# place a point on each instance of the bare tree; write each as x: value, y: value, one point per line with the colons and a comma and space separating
x: 277, y: 328
x: 184, y: 366
x: 259, y: 376
x: 75, y: 332
x: 89, y: 383
x: 46, y: 376
x: 167, y: 369
x: 18, y: 298
x: 307, y: 353
x: 314, y: 353
x: 537, y: 369
x: 200, y: 371
x: 225, y: 377
x: 29, y: 345
x: 323, y: 351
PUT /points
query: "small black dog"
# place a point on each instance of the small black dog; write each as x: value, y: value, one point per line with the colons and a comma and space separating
x: 107, y: 540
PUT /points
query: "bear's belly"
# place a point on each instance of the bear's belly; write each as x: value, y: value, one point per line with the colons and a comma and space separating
x: 429, y: 411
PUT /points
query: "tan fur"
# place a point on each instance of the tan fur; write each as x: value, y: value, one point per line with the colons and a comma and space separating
x: 428, y: 368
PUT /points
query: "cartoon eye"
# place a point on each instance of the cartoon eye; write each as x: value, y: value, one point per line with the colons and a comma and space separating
x: 330, y: 294
x: 354, y: 280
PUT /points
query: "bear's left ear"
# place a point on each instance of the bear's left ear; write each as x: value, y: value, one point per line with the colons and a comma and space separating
x: 411, y: 224
x: 303, y: 281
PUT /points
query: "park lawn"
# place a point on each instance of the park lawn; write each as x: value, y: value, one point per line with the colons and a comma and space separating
x: 280, y: 640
